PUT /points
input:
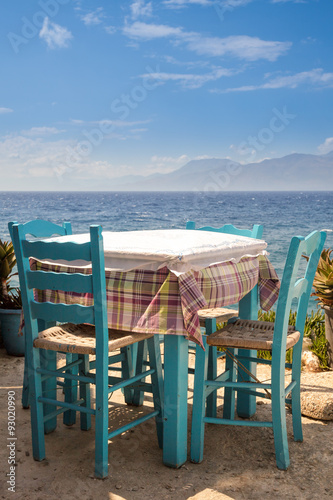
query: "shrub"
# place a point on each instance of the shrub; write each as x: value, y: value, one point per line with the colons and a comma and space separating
x: 314, y: 329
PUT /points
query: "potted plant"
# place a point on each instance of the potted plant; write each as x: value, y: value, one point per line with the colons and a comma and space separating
x: 323, y: 285
x: 10, y: 302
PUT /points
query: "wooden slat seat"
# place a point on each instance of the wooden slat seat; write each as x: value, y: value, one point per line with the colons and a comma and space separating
x: 81, y: 339
x: 221, y: 314
x: 249, y: 334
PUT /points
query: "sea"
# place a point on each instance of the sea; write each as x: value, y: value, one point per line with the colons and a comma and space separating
x: 283, y: 214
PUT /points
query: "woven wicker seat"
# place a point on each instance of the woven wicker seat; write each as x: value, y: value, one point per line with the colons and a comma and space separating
x: 209, y: 318
x: 82, y: 330
x: 247, y: 334
x: 221, y: 314
x: 241, y: 340
x: 81, y: 339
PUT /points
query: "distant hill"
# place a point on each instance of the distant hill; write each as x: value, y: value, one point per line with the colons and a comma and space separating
x: 293, y: 172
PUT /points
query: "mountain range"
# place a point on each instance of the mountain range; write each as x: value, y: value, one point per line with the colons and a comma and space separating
x: 294, y: 172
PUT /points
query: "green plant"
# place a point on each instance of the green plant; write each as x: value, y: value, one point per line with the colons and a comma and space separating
x: 323, y: 281
x: 10, y: 297
x: 314, y: 329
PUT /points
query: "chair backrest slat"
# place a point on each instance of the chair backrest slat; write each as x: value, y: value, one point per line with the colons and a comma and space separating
x: 41, y: 280
x: 43, y: 229
x: 72, y: 283
x: 255, y: 232
x: 50, y: 250
x: 63, y: 313
x: 295, y: 287
x: 300, y: 287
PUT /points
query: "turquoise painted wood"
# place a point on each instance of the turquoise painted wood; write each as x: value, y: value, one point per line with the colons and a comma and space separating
x: 78, y: 370
x: 291, y: 288
x: 246, y: 403
x: 248, y: 308
x: 255, y: 232
x: 175, y: 404
x: 44, y: 229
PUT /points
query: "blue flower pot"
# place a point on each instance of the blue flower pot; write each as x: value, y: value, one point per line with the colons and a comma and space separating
x: 10, y: 323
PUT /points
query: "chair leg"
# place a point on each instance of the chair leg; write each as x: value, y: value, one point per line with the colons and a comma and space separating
x: 101, y: 418
x: 85, y: 418
x: 138, y: 396
x: 25, y: 389
x: 229, y: 393
x: 246, y: 403
x: 157, y: 383
x: 48, y: 359
x: 128, y: 370
x: 279, y: 418
x: 210, y: 325
x: 199, y: 404
x: 37, y: 421
x: 296, y: 393
x: 69, y: 417
x: 248, y: 309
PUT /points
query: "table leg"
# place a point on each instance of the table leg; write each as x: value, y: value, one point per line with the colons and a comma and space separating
x: 248, y: 309
x: 175, y: 400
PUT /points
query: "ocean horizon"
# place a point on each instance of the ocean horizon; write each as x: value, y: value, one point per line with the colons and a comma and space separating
x: 283, y: 214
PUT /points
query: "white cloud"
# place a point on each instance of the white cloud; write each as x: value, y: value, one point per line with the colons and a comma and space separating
x: 179, y: 4
x: 165, y: 164
x: 108, y: 122
x: 110, y: 29
x: 141, y: 9
x: 5, y: 110
x: 40, y: 172
x: 285, y: 1
x: 138, y: 130
x: 315, y: 77
x: 144, y: 31
x: 54, y: 35
x: 30, y: 157
x: 326, y: 147
x: 188, y: 64
x: 242, y: 47
x: 309, y: 40
x: 35, y: 163
x: 41, y: 131
x: 222, y: 5
x: 235, y: 3
x: 190, y: 81
x: 93, y: 18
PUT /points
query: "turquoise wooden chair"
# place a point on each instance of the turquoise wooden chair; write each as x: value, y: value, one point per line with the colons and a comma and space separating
x: 83, y: 331
x: 274, y: 337
x: 43, y: 229
x: 210, y: 317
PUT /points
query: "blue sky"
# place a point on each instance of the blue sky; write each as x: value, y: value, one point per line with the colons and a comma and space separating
x: 92, y: 90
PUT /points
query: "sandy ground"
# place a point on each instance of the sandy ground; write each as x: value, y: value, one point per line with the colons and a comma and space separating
x: 239, y: 463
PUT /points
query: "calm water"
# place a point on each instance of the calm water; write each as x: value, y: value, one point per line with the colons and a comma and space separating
x: 282, y: 214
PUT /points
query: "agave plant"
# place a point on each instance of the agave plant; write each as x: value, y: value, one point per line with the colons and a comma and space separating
x: 323, y: 282
x: 10, y: 298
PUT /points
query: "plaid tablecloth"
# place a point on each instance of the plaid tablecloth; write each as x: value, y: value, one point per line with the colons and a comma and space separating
x: 161, y: 302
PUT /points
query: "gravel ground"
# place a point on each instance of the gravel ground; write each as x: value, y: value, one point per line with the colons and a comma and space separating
x: 239, y: 463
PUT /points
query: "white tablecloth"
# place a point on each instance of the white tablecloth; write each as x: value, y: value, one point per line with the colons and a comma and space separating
x: 179, y: 250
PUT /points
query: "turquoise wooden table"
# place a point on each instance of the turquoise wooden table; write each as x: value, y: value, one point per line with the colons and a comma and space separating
x: 157, y: 281
x: 175, y: 388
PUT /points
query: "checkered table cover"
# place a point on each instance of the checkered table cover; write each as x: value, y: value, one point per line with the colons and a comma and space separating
x: 161, y: 302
